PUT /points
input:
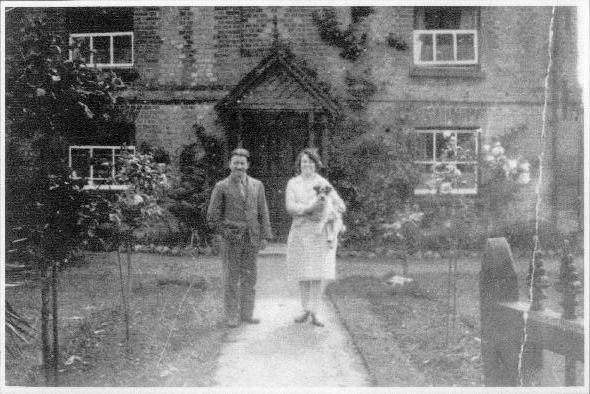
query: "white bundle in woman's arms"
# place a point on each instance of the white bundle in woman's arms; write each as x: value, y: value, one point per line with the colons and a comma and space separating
x: 330, y: 222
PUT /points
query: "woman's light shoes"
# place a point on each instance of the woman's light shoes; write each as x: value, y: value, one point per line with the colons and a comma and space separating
x: 302, y: 318
x: 314, y: 320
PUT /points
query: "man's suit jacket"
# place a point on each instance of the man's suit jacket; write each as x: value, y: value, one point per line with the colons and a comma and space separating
x: 228, y: 208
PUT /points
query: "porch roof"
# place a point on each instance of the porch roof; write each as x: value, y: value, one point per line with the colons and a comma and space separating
x: 279, y: 82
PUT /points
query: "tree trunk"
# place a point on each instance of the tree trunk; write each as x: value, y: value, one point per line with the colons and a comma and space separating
x: 55, y: 328
x: 123, y: 295
x: 45, y: 323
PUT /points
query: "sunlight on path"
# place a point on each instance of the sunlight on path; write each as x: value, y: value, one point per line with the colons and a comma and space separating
x: 278, y: 352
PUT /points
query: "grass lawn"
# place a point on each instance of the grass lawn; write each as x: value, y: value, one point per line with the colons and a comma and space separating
x: 176, y: 330
x: 403, y: 337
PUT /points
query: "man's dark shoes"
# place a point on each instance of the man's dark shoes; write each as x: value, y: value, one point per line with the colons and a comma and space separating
x: 232, y: 323
x: 302, y: 318
x: 315, y: 321
x: 251, y: 320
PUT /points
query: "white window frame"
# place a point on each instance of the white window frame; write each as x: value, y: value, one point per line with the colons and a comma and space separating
x: 91, y: 179
x: 434, y: 62
x: 112, y: 48
x: 474, y: 162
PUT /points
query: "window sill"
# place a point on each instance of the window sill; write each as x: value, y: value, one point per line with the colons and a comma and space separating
x: 473, y: 72
x: 106, y: 187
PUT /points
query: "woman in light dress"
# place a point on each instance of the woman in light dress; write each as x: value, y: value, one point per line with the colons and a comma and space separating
x: 311, y: 258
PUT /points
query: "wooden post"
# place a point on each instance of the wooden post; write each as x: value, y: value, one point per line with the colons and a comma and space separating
x: 240, y: 131
x: 500, y: 335
x: 310, y: 130
x: 539, y: 281
x: 325, y: 139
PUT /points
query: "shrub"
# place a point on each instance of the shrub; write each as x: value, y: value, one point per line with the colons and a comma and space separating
x: 375, y: 175
x: 201, y: 166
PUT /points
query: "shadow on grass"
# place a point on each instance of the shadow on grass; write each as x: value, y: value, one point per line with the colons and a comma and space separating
x: 176, y: 328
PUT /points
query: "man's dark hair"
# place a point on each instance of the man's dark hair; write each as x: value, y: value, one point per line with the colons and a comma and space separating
x: 240, y: 152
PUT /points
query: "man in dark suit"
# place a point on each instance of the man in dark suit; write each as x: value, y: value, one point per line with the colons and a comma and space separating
x: 238, y: 211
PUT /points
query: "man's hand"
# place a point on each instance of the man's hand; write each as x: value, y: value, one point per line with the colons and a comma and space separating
x: 263, y: 244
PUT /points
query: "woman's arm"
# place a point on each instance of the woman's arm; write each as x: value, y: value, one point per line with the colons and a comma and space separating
x: 294, y: 207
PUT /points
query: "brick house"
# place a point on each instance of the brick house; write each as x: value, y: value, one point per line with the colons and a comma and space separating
x: 264, y: 77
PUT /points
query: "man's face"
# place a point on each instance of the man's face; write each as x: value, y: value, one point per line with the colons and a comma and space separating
x: 238, y: 165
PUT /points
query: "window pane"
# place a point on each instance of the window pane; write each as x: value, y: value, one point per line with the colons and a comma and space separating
x: 465, y: 47
x: 466, y: 150
x: 122, y: 49
x: 424, y: 146
x: 467, y: 178
x: 80, y: 160
x: 102, y: 49
x: 81, y: 49
x: 444, y: 47
x: 103, y: 163
x: 426, y: 180
x: 425, y: 42
x: 445, y: 146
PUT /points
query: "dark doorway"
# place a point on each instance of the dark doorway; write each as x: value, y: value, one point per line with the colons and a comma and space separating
x: 274, y: 138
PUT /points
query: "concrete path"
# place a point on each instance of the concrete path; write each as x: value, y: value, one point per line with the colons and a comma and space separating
x: 281, y: 353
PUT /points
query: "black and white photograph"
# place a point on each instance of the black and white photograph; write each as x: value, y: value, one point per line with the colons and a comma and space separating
x: 273, y: 196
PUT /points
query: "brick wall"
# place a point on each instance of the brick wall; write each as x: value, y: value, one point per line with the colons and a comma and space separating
x: 170, y: 126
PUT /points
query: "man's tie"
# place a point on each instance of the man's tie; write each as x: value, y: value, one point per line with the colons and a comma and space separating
x: 242, y: 188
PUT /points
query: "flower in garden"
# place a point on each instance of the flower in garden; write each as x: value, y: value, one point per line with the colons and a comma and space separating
x: 486, y: 148
x: 498, y: 150
x: 524, y: 178
x: 525, y: 166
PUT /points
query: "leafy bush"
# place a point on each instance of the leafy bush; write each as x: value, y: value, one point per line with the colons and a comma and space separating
x: 201, y: 166
x: 375, y: 175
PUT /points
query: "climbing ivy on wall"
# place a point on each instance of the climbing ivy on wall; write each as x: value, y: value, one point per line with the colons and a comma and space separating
x: 351, y: 41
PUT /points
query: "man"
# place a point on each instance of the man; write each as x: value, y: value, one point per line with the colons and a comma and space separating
x: 238, y: 211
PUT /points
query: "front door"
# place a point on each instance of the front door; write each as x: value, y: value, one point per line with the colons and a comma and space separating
x: 274, y: 139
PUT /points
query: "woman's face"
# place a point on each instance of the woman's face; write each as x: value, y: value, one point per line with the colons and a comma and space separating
x: 307, y: 165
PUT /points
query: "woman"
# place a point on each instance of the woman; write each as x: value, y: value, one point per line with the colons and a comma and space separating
x: 311, y: 257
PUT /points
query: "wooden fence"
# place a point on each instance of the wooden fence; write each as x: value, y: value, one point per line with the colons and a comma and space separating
x: 504, y: 318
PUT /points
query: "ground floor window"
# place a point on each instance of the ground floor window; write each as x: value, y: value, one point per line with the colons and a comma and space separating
x: 97, y: 163
x: 447, y: 160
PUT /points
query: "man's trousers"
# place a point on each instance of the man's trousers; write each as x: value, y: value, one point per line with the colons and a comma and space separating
x: 239, y: 271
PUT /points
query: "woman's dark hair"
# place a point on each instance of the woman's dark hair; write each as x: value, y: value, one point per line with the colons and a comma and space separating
x: 313, y: 155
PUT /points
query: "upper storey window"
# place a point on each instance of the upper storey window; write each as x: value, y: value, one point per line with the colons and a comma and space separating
x: 103, y: 37
x: 446, y: 36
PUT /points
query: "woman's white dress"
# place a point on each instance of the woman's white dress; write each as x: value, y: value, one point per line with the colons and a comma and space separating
x: 309, y: 255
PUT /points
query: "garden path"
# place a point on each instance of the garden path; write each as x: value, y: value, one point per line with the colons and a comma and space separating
x: 279, y: 352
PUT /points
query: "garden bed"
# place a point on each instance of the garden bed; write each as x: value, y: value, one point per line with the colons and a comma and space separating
x: 403, y: 338
x: 176, y: 330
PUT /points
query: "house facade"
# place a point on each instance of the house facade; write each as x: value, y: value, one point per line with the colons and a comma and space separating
x: 274, y: 79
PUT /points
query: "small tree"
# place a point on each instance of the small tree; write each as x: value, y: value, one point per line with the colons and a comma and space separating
x: 51, y: 100
x: 148, y: 185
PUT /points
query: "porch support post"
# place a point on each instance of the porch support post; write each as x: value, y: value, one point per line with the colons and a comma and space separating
x: 310, y: 130
x: 325, y: 153
x: 239, y: 118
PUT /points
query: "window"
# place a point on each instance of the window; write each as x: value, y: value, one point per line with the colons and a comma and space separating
x: 104, y: 35
x: 103, y: 49
x: 97, y: 163
x: 447, y: 160
x: 446, y: 36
